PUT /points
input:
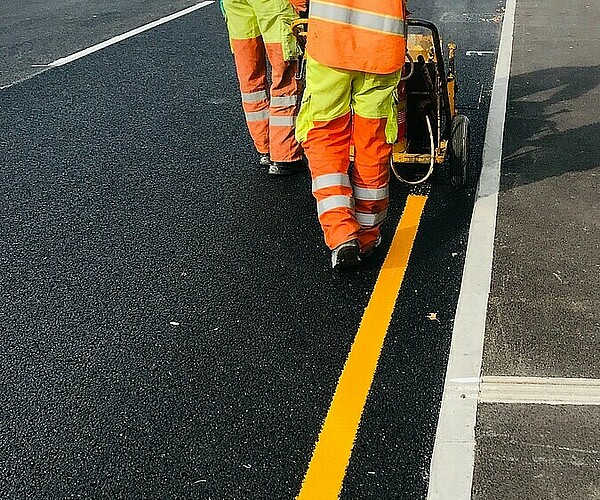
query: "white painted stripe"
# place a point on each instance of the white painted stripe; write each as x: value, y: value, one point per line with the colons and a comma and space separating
x: 479, y: 52
x: 451, y: 472
x: 129, y: 34
x: 540, y: 390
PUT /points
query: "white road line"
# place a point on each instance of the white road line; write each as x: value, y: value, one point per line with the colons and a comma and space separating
x: 129, y: 34
x: 479, y: 53
x: 451, y: 472
x: 540, y: 390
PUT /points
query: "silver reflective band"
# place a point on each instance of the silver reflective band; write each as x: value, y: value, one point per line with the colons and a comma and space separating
x: 330, y: 180
x: 370, y: 194
x: 370, y: 220
x: 361, y: 19
x: 288, y: 100
x: 257, y: 116
x: 332, y: 202
x: 282, y: 121
x: 254, y: 96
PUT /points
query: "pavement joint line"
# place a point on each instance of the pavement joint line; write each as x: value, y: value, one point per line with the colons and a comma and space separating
x: 452, y: 462
x: 82, y: 53
x: 327, y: 468
x: 540, y: 390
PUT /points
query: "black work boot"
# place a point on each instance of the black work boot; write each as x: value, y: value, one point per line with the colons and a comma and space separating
x: 286, y: 167
x: 369, y: 253
x: 345, y: 255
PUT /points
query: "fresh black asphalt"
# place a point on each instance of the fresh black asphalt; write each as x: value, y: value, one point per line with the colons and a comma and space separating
x: 36, y: 32
x: 170, y: 324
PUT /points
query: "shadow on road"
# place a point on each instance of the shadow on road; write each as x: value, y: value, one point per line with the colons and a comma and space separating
x: 552, y: 125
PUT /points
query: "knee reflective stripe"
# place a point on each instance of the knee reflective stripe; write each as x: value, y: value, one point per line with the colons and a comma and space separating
x: 330, y: 180
x: 254, y: 96
x: 257, y: 116
x: 370, y: 220
x: 284, y: 101
x: 333, y: 202
x: 282, y: 121
x: 367, y: 194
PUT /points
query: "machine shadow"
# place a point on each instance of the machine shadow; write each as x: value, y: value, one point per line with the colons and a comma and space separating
x: 542, y: 139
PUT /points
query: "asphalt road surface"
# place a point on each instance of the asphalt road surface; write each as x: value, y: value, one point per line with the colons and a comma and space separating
x: 170, y: 324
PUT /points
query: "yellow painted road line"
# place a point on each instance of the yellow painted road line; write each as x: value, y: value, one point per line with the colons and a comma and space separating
x: 327, y: 468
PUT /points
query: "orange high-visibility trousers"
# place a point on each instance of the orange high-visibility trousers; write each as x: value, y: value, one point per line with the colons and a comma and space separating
x: 355, y: 51
x: 342, y: 107
x: 259, y: 31
x: 352, y: 205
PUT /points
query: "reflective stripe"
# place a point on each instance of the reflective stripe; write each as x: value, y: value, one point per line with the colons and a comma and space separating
x: 332, y: 202
x: 282, y: 121
x: 360, y: 19
x: 370, y: 194
x: 370, y: 220
x: 330, y: 180
x: 286, y: 100
x: 257, y: 116
x: 254, y: 96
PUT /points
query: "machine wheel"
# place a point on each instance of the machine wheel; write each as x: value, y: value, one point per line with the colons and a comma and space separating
x: 459, y: 151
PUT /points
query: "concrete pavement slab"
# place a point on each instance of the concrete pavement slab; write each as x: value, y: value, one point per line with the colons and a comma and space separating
x: 533, y: 452
x: 543, y: 313
x: 543, y: 316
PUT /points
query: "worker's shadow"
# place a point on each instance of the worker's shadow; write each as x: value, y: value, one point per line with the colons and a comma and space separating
x: 552, y: 124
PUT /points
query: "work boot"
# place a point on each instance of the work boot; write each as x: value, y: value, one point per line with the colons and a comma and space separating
x: 286, y: 167
x: 264, y: 160
x: 345, y: 255
x: 369, y: 252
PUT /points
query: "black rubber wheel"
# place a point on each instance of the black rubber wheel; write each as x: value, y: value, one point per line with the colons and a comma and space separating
x: 459, y: 150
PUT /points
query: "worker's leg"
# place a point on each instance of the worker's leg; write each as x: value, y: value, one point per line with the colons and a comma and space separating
x: 251, y: 65
x: 284, y: 107
x: 375, y: 130
x: 324, y: 129
x: 274, y: 20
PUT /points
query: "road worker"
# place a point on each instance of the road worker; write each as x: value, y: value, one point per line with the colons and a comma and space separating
x: 355, y: 51
x: 260, y: 30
